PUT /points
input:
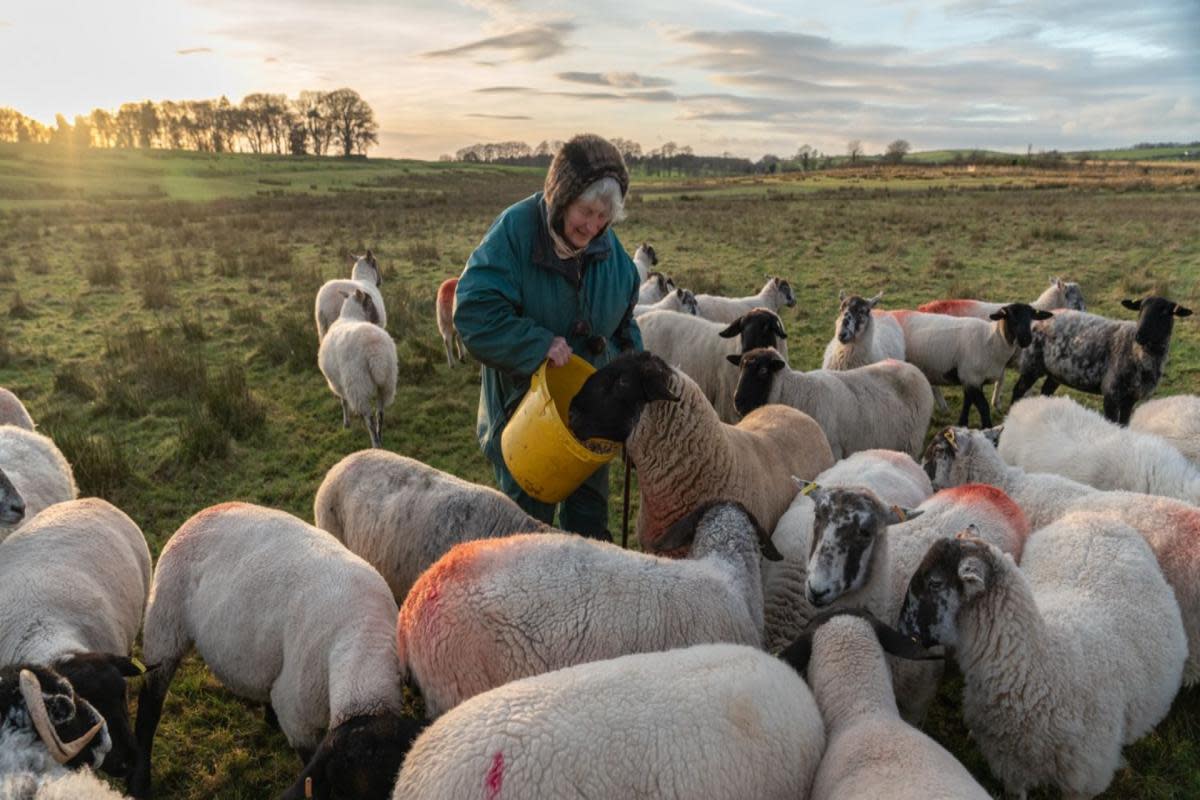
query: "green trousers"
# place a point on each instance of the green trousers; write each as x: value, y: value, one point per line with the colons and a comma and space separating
x: 585, y: 512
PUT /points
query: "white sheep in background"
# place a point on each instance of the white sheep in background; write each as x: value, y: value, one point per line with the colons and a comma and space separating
x: 655, y: 288
x: 883, y: 405
x: 366, y: 277
x: 1066, y: 659
x: 673, y: 712
x: 699, y: 347
x: 966, y: 351
x: 1056, y: 434
x: 495, y: 610
x: 680, y: 300
x: 863, y: 335
x: 33, y: 475
x: 645, y: 259
x: 444, y: 311
x: 775, y: 294
x: 1175, y: 419
x: 684, y: 454
x: 871, y: 752
x: 358, y: 360
x: 283, y: 614
x: 401, y: 515
x: 12, y: 411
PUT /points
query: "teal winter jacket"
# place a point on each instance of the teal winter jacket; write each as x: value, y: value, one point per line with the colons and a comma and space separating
x: 516, y: 295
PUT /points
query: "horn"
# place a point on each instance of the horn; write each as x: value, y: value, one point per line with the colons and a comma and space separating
x: 31, y: 690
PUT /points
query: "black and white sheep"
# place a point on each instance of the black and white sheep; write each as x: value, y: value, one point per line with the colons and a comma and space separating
x: 33, y: 475
x: 655, y: 288
x: 644, y: 258
x: 680, y: 300
x: 862, y: 334
x: 358, y: 360
x: 775, y: 294
x: 365, y: 276
x: 1121, y: 360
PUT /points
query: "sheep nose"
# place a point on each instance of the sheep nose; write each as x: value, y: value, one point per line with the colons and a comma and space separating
x: 817, y: 596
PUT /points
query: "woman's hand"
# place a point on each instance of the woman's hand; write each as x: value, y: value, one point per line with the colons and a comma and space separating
x: 559, y: 352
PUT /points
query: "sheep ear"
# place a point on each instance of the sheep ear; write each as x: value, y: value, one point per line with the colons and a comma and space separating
x: 972, y: 571
x: 1042, y: 314
x: 1056, y: 281
x: 897, y: 644
x: 797, y: 654
x: 841, y: 295
x: 1001, y: 314
x: 736, y: 360
x: 777, y: 364
x: 1132, y: 305
x: 682, y: 532
x: 993, y: 434
x: 734, y: 328
x: 1180, y: 311
x: 898, y: 514
x: 656, y: 384
x: 778, y: 326
x: 875, y: 300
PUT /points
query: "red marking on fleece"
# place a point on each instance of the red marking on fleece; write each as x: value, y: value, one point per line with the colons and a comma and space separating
x: 1182, y: 544
x: 445, y: 295
x: 419, y: 613
x: 998, y: 501
x: 953, y: 308
x: 495, y: 777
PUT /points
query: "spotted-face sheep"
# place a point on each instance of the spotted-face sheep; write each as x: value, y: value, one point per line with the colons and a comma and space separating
x: 12, y: 411
x: 33, y: 475
x: 445, y: 321
x: 1123, y: 361
x: 73, y: 585
x: 684, y: 454
x: 863, y: 334
x: 775, y: 294
x: 1060, y: 668
x: 401, y: 515
x: 496, y: 610
x: 282, y: 613
x: 358, y: 360
x: 699, y: 347
x: 966, y: 351
x: 871, y: 751
x: 655, y: 288
x: 366, y: 277
x: 1171, y: 527
x: 1175, y: 419
x: 644, y: 258
x: 536, y: 738
x: 1056, y: 434
x: 883, y: 405
x: 680, y: 300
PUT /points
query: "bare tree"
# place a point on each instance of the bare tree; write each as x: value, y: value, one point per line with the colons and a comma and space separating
x: 172, y: 116
x: 854, y: 149
x: 353, y: 120
x: 896, y: 151
x: 309, y: 107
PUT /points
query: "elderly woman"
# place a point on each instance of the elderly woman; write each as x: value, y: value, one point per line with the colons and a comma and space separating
x: 550, y: 279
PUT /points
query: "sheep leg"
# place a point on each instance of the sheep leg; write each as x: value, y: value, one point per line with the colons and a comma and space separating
x: 150, y: 705
x: 965, y: 415
x: 1024, y: 384
x: 981, y: 403
x: 270, y: 718
x: 449, y: 358
x: 345, y: 413
x: 459, y: 347
x: 1049, y: 386
x: 369, y: 419
x: 997, y: 389
x: 939, y: 400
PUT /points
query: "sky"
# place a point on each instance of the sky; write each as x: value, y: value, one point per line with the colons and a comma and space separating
x: 735, y: 76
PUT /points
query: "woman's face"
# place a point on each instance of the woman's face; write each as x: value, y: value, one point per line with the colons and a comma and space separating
x: 583, y: 221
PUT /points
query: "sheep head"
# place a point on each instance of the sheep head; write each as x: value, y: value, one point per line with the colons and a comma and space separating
x: 758, y: 368
x: 1016, y: 322
x: 759, y: 327
x: 12, y: 505
x: 1156, y: 318
x: 357, y: 759
x: 612, y: 399
x: 953, y: 573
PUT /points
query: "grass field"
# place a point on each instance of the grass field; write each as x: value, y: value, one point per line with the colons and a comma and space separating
x: 158, y: 324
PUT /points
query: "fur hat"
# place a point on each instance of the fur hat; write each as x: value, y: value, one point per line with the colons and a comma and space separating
x: 578, y: 164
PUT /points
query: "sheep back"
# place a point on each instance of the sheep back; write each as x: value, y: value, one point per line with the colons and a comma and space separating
x: 359, y: 362
x: 37, y: 468
x: 328, y: 306
x: 1175, y: 419
x: 13, y: 412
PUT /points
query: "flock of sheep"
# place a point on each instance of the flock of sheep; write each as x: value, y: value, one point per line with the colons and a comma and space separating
x: 1056, y: 559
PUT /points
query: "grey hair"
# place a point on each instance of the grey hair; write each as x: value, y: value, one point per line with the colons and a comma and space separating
x: 609, y: 191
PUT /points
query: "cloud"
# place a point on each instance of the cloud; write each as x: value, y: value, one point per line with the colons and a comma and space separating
x: 191, y: 51
x: 270, y: 60
x: 500, y: 116
x: 527, y: 44
x: 655, y: 96
x: 619, y: 80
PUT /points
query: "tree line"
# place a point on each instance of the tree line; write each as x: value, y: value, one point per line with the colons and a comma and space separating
x: 316, y: 123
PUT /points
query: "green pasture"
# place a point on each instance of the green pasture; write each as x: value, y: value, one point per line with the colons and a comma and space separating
x: 157, y: 321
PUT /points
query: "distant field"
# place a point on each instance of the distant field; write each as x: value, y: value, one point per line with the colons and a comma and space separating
x: 159, y: 326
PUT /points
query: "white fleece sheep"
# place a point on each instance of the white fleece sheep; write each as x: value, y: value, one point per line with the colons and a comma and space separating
x: 685, y: 455
x: 1066, y: 659
x: 883, y: 405
x: 69, y: 785
x: 718, y: 721
x: 645, y: 259
x: 282, y: 613
x: 12, y: 411
x: 655, y: 287
x: 863, y: 335
x: 37, y: 473
x: 871, y: 752
x: 365, y: 276
x: 1056, y: 434
x: 699, y: 348
x: 1171, y: 527
x: 1175, y: 419
x: 401, y: 515
x: 495, y: 610
x: 680, y: 300
x: 359, y: 362
x: 775, y: 294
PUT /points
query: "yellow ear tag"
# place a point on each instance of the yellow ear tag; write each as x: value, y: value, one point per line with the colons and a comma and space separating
x: 809, y: 489
x: 951, y: 439
x: 140, y: 666
x: 899, y: 512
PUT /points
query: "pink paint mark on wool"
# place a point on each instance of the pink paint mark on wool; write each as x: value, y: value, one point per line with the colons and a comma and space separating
x: 998, y: 501
x: 953, y: 308
x: 495, y: 778
x: 445, y: 294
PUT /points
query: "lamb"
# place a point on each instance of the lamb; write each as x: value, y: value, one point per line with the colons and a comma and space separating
x: 73, y: 585
x: 536, y: 738
x: 776, y: 292
x: 684, y: 454
x: 12, y: 411
x: 359, y: 362
x: 1056, y: 434
x: 1175, y: 419
x: 1060, y: 668
x: 871, y: 752
x: 1171, y: 527
x: 366, y: 277
x: 496, y: 610
x: 445, y: 320
x: 33, y: 476
x: 655, y: 288
x: 284, y: 614
x: 863, y: 335
x: 698, y: 347
x: 401, y: 515
x: 967, y: 351
x: 883, y: 405
x: 644, y: 258
x: 1123, y: 361
x: 1060, y: 294
x: 680, y: 300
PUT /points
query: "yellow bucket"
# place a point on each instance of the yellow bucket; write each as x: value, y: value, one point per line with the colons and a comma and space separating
x: 542, y: 454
